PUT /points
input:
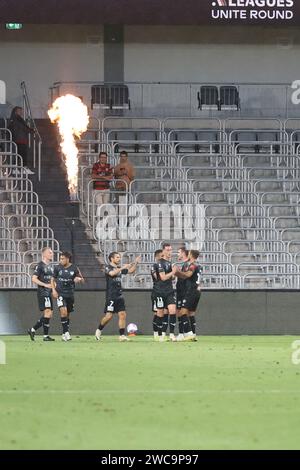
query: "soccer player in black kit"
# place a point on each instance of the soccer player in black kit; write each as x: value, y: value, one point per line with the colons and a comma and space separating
x: 165, y: 294
x: 157, y: 256
x: 65, y: 276
x: 183, y: 259
x: 192, y: 295
x: 114, y: 296
x: 42, y: 275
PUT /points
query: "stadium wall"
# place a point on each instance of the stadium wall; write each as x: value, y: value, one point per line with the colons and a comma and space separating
x: 219, y: 313
x: 43, y: 54
x: 212, y: 54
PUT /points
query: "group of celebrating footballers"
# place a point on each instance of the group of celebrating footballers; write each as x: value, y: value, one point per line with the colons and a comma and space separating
x: 168, y: 301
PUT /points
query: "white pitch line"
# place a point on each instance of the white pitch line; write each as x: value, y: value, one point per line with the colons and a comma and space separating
x: 148, y: 392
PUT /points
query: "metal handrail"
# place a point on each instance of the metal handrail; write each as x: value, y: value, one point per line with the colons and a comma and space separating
x: 293, y: 267
x: 265, y: 242
x: 257, y: 121
x: 287, y: 280
x: 243, y: 222
x: 225, y: 280
x: 41, y: 242
x: 270, y: 256
x: 13, y: 279
x: 37, y: 140
x: 277, y: 181
x: 92, y: 196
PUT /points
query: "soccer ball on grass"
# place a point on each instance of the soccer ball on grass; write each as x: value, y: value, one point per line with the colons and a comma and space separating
x: 132, y: 329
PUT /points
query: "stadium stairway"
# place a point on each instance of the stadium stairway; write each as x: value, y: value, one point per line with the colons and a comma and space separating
x: 63, y: 215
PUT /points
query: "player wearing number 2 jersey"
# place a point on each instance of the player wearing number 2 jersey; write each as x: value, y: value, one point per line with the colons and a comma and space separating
x: 114, y: 297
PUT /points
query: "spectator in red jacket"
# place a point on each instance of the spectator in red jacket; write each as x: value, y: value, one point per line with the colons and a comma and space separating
x: 102, y: 174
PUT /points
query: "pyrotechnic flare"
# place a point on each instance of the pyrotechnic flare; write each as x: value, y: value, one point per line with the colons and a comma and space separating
x: 71, y: 117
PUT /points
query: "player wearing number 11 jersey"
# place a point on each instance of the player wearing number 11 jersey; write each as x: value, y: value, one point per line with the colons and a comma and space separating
x: 165, y: 293
x: 42, y: 275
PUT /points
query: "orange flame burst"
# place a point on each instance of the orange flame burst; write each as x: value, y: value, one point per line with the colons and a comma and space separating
x: 71, y: 116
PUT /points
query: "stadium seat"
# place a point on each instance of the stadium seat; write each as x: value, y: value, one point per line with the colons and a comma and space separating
x: 229, y: 98
x: 111, y: 97
x: 208, y: 97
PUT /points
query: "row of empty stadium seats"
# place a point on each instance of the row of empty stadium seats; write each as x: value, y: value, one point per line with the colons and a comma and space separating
x: 23, y: 226
x: 223, y: 97
x: 230, y: 136
x: 116, y: 97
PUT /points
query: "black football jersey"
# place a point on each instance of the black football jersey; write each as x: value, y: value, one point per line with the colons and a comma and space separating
x: 193, y: 282
x: 154, y: 274
x: 114, y: 284
x: 181, y: 283
x: 64, y: 278
x: 44, y: 273
x: 164, y: 287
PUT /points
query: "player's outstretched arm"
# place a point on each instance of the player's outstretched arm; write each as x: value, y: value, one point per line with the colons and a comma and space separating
x: 116, y: 271
x: 133, y: 265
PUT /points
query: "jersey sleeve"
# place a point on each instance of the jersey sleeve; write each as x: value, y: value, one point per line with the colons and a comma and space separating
x: 108, y: 269
x: 77, y: 272
x: 192, y: 267
x: 154, y: 269
x: 160, y: 268
x: 124, y: 271
x: 37, y: 270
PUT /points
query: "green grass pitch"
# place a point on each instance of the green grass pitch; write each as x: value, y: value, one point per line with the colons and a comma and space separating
x: 237, y: 392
